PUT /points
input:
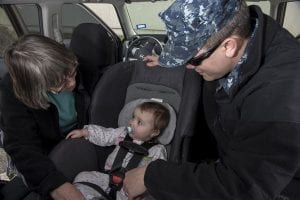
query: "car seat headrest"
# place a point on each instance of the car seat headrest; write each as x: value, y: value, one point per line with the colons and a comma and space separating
x: 167, y: 135
x: 92, y: 44
x: 95, y: 50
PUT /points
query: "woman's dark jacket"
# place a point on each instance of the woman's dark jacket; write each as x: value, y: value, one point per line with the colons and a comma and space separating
x: 257, y: 128
x: 30, y: 134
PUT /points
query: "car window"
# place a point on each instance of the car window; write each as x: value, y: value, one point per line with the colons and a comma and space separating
x: 7, y: 32
x: 73, y: 15
x: 30, y: 15
x: 7, y: 36
x: 107, y: 13
x: 145, y: 20
x: 291, y: 16
x: 264, y: 5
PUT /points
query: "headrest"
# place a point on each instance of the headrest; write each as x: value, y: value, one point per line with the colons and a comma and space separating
x: 92, y: 45
x: 167, y: 135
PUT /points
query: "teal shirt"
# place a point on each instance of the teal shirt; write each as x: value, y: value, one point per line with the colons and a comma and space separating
x: 65, y: 104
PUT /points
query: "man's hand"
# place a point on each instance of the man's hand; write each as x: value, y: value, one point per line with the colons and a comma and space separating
x: 152, y: 61
x: 66, y: 191
x: 134, y: 183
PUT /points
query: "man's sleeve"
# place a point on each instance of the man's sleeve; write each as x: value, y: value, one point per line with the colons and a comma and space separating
x: 257, y: 165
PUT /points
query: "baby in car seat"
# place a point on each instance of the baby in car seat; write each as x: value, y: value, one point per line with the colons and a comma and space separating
x: 137, y: 145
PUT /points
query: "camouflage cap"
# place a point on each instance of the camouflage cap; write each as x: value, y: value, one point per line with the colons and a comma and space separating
x: 189, y: 23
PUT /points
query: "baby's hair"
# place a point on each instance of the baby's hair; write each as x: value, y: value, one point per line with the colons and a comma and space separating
x: 161, y: 114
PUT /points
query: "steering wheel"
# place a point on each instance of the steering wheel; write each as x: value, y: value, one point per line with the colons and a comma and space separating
x: 142, y: 46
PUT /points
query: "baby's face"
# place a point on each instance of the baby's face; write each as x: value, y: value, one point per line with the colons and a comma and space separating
x: 142, y: 124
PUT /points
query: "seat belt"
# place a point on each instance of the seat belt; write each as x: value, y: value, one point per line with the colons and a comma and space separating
x: 117, y: 173
x: 97, y: 188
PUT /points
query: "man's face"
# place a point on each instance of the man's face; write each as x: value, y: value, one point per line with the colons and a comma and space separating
x: 213, y: 67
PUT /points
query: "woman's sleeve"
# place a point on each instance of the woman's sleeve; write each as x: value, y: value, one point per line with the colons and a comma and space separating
x: 25, y: 146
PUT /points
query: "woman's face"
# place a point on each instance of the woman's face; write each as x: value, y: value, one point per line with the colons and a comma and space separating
x: 68, y: 84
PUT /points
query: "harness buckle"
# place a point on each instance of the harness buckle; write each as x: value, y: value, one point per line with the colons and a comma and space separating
x: 116, y: 179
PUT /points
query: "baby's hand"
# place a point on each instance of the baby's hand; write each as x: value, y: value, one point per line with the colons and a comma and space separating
x: 78, y: 133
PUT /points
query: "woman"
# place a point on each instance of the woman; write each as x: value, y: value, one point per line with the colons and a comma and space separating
x: 40, y: 103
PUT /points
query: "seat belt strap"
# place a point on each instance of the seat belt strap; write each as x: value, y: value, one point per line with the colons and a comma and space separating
x: 117, y: 172
x: 117, y: 164
x: 97, y: 188
x: 134, y: 161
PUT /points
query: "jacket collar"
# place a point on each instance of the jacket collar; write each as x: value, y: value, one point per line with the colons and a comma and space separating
x: 255, y: 56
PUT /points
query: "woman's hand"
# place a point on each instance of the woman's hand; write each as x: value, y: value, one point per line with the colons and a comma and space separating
x: 67, y: 191
x: 152, y: 61
x: 78, y: 133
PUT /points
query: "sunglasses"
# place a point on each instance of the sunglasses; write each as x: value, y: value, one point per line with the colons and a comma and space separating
x: 198, y: 60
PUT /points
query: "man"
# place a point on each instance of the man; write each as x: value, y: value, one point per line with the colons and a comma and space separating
x: 251, y: 71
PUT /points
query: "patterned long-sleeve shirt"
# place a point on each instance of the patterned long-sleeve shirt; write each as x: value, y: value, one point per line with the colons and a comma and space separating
x: 102, y: 136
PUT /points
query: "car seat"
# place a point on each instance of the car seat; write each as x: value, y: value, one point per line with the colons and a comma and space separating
x: 96, y: 48
x: 125, y: 82
x: 94, y: 188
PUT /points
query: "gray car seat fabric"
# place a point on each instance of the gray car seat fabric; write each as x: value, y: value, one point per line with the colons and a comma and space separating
x: 128, y: 81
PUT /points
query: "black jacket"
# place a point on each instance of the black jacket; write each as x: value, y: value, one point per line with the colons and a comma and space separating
x: 257, y: 128
x: 30, y: 134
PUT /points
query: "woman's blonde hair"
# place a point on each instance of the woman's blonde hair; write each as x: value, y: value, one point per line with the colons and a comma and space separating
x: 36, y: 63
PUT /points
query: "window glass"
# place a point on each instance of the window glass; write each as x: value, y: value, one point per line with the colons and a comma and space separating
x: 146, y: 21
x: 107, y: 13
x: 7, y: 32
x: 291, y: 16
x: 264, y: 5
x: 144, y: 16
x: 30, y: 15
x: 7, y: 36
x: 73, y: 15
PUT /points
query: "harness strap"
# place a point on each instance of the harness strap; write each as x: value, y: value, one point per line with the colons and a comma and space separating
x: 117, y: 164
x: 113, y: 191
x: 134, y: 161
x: 117, y: 172
x: 98, y: 189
